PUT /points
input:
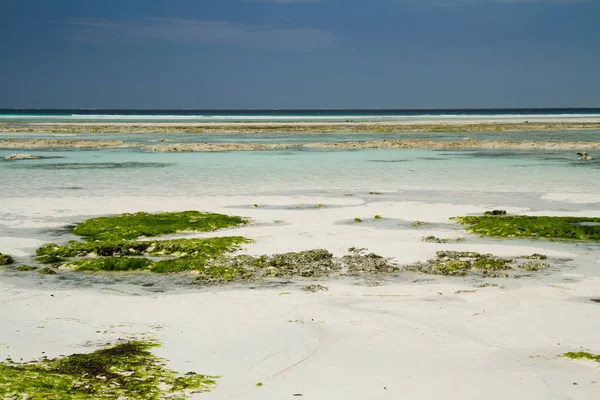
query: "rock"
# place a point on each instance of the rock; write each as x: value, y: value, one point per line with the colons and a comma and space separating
x: 22, y: 157
x: 495, y: 212
x: 584, y: 156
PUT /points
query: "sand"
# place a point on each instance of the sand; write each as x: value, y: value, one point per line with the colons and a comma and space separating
x: 413, y: 337
x: 369, y: 144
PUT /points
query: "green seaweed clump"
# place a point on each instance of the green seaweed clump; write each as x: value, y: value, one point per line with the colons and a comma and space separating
x: 191, y: 254
x: 124, y: 371
x: 133, y: 226
x: 357, y: 219
x: 378, y: 217
x: 210, y: 247
x: 564, y: 228
x: 47, y: 271
x: 25, y: 268
x: 582, y: 356
x: 5, y: 259
x: 111, y: 264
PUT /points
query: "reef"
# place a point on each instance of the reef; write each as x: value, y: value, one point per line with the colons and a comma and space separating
x: 462, y: 263
x: 367, y: 144
x: 123, y: 371
x: 556, y: 228
x: 270, y: 127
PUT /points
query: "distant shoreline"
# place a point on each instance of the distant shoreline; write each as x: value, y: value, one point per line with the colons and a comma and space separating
x: 296, y: 127
x: 30, y: 144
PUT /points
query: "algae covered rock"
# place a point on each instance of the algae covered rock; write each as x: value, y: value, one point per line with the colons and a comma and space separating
x: 359, y: 262
x: 495, y: 212
x: 461, y: 263
x: 26, y: 268
x: 6, y: 259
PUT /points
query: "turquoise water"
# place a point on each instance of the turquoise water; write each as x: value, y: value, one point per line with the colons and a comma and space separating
x: 134, y: 172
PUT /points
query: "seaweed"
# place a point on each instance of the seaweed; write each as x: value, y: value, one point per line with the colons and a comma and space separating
x: 125, y: 371
x: 25, y: 268
x: 6, y: 259
x: 111, y: 264
x: 581, y: 355
x: 112, y: 243
x: 111, y: 248
x: 560, y: 228
x: 133, y: 226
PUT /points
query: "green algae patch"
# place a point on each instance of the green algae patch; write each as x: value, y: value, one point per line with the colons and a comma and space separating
x: 132, y: 226
x: 558, y: 228
x: 113, y: 243
x: 111, y: 264
x: 113, y: 248
x: 189, y: 254
x: 5, y: 259
x: 462, y: 263
x: 26, y: 268
x: 124, y: 371
x: 581, y: 355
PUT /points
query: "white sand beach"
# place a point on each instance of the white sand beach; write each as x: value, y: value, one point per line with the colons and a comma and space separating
x: 412, y: 337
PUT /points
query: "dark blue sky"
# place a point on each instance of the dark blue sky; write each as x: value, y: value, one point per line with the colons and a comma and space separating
x: 299, y: 53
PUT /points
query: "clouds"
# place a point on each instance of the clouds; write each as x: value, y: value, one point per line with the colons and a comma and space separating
x: 208, y: 32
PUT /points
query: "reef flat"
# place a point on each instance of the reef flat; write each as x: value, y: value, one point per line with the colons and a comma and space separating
x: 298, y: 127
x: 368, y: 144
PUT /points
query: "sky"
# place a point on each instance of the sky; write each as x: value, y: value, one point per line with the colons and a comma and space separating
x: 278, y: 54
